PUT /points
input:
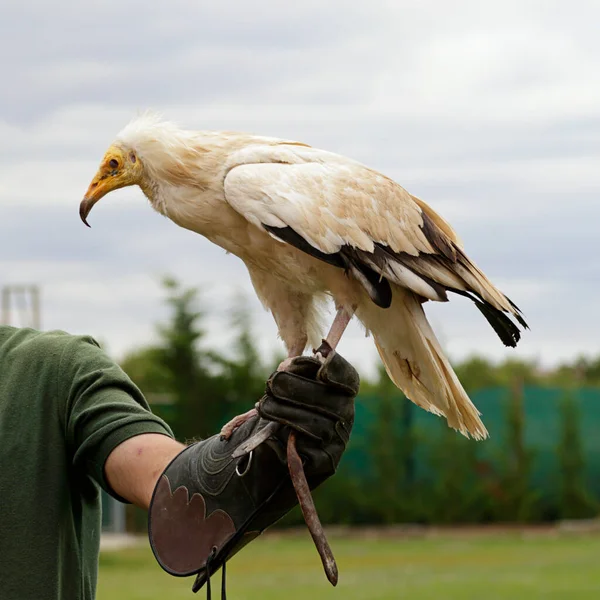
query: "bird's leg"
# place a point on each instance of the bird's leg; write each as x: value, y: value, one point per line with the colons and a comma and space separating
x: 296, y: 349
x: 339, y: 325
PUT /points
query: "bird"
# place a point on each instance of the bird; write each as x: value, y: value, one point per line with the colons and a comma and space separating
x: 311, y: 225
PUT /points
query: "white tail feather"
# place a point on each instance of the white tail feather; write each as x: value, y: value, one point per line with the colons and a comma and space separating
x: 415, y: 362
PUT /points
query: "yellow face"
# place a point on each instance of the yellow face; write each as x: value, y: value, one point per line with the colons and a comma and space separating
x: 119, y: 168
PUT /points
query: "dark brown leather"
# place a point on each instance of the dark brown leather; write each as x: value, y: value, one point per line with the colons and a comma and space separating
x: 221, y: 503
x: 183, y: 535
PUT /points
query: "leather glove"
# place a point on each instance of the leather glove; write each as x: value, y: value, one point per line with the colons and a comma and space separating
x: 207, y: 505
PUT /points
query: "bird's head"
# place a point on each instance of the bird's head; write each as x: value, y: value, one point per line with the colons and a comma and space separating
x: 149, y: 152
x: 120, y: 167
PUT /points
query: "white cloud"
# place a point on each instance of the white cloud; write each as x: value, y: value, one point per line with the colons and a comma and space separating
x: 491, y: 113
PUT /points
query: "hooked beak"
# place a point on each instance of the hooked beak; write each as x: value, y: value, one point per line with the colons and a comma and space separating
x: 99, y: 187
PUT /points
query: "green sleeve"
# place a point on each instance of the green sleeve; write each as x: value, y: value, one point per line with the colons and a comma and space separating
x: 102, y: 407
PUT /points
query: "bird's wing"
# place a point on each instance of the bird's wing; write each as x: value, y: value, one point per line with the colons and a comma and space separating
x: 328, y: 200
x: 347, y: 214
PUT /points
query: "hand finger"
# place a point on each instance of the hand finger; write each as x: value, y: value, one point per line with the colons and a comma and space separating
x: 337, y: 371
x: 305, y: 366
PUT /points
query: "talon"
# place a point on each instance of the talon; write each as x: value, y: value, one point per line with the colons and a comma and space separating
x: 228, y: 429
x: 325, y: 349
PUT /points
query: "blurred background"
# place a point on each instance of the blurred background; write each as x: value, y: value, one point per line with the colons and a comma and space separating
x: 488, y: 111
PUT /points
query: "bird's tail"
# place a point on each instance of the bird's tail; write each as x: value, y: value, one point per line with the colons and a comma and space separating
x: 415, y: 361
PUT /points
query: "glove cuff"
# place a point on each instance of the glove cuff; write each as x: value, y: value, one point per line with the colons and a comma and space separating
x: 207, y: 506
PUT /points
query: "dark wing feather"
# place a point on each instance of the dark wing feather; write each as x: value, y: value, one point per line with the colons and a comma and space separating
x: 347, y: 258
x: 360, y: 264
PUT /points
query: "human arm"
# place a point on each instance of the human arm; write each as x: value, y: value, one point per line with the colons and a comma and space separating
x: 134, y: 466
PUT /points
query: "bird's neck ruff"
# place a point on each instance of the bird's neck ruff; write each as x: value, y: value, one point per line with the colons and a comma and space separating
x: 171, y: 157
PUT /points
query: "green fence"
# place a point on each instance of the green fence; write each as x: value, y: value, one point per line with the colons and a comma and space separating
x: 541, y: 408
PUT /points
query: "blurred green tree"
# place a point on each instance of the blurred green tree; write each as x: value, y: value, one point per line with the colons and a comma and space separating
x: 176, y: 367
x: 146, y: 368
x: 477, y: 373
x: 575, y: 498
x: 244, y: 373
x: 517, y: 500
x: 198, y: 392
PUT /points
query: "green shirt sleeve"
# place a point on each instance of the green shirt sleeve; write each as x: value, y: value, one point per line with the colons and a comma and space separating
x: 102, y: 407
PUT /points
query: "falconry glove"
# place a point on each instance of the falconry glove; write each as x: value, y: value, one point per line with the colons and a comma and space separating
x: 207, y: 505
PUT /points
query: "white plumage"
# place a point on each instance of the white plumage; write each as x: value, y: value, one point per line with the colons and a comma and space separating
x: 309, y: 223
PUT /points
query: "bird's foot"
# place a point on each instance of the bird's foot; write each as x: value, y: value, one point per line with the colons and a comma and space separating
x: 323, y: 351
x: 236, y: 422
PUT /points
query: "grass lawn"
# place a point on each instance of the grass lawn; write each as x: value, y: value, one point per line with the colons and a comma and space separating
x: 501, y: 566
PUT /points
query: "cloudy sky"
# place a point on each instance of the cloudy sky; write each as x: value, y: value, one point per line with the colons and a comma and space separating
x: 489, y: 111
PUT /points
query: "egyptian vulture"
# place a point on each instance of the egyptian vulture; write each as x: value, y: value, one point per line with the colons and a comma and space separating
x: 310, y: 224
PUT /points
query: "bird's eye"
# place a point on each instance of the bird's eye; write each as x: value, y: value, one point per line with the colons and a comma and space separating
x: 114, y: 163
x: 132, y: 157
